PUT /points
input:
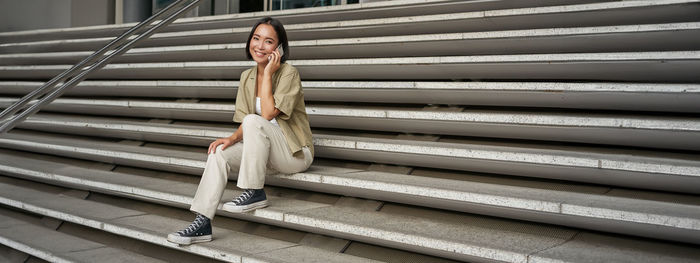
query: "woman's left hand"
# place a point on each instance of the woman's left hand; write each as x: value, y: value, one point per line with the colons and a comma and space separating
x: 273, y: 63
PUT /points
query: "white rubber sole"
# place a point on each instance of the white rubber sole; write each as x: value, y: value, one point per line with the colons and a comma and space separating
x: 231, y: 207
x: 180, y: 240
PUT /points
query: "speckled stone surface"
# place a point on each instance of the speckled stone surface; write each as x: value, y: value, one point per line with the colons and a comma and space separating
x: 111, y: 255
x: 483, y: 240
x: 42, y: 199
x: 480, y: 240
x: 589, y: 248
x: 304, y: 254
x: 594, y: 206
x: 496, y: 195
x: 224, y: 240
x: 338, y: 8
x: 227, y: 245
x: 544, y: 119
x: 45, y: 239
x: 684, y: 88
x: 567, y: 156
x: 634, y: 210
x: 569, y: 66
x: 52, y: 245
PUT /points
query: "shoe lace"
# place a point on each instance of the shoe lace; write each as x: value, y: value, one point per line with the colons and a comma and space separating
x: 196, y: 224
x: 247, y: 194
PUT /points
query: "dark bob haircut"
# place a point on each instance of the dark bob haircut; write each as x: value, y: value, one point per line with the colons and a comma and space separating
x: 281, y: 35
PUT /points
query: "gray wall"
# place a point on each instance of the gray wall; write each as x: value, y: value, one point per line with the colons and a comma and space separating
x: 16, y: 15
x: 136, y: 10
x: 91, y: 12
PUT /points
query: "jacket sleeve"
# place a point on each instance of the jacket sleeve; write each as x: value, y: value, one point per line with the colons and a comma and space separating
x: 241, y: 109
x: 287, y: 93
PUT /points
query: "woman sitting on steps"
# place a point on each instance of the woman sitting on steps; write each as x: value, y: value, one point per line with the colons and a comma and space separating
x: 274, y: 135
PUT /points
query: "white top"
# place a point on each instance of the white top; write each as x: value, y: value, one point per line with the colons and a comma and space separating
x: 258, y: 110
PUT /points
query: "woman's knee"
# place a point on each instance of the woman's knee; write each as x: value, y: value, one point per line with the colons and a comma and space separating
x: 230, y: 155
x: 218, y: 154
x: 252, y: 122
x: 252, y: 119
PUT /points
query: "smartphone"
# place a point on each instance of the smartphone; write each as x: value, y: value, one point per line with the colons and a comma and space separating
x: 280, y: 50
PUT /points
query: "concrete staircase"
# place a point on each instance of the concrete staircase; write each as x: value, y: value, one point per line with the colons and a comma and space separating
x: 479, y: 131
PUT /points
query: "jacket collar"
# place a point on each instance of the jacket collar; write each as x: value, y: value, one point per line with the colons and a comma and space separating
x: 254, y: 72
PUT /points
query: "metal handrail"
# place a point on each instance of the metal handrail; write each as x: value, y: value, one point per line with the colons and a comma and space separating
x: 12, y: 121
x: 65, y: 74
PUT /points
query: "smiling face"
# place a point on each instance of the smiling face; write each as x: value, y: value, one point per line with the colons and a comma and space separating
x: 263, y: 42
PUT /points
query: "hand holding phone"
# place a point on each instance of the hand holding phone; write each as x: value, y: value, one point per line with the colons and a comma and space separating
x: 274, y: 64
x: 279, y: 50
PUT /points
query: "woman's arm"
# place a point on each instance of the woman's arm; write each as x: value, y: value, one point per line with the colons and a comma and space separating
x: 267, y: 101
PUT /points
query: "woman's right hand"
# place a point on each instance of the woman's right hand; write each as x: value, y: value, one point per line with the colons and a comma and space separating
x: 225, y: 141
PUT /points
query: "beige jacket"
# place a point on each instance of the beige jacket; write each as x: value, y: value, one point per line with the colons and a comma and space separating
x: 289, y: 99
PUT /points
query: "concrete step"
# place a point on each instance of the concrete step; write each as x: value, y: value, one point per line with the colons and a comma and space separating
x: 595, y: 14
x: 655, y: 215
x: 332, y: 244
x: 653, y: 37
x: 10, y: 255
x: 665, y: 66
x: 228, y: 245
x: 656, y: 170
x: 439, y: 236
x: 477, y: 238
x: 664, y: 132
x: 379, y: 9
x: 54, y: 246
x: 599, y: 96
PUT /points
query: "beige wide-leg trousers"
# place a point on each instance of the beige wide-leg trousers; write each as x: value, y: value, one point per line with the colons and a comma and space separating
x: 264, y: 150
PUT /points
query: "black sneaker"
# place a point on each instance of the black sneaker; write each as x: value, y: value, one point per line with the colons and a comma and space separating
x: 198, y: 231
x: 249, y: 200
